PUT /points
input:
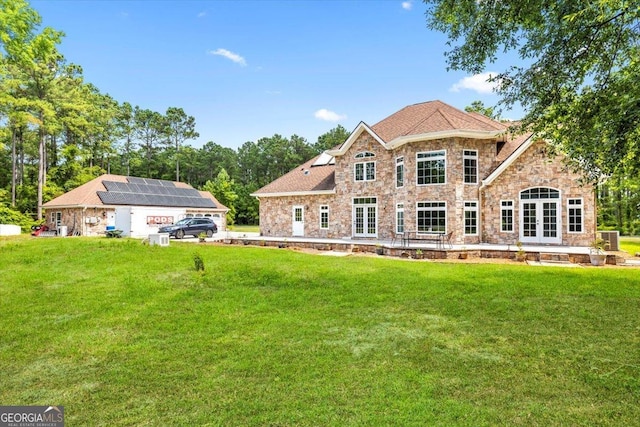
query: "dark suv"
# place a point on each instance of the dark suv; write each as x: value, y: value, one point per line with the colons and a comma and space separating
x: 192, y: 226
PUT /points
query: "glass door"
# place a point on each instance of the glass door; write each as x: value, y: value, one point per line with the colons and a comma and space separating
x: 540, y: 216
x: 365, y: 217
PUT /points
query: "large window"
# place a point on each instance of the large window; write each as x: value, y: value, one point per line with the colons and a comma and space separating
x: 365, y: 171
x: 506, y: 216
x: 400, y: 172
x: 574, y: 212
x: 470, y: 159
x: 431, y: 167
x: 400, y: 218
x: 432, y: 217
x: 471, y: 218
x: 324, y: 217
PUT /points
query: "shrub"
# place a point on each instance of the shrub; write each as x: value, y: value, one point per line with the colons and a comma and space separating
x: 10, y: 216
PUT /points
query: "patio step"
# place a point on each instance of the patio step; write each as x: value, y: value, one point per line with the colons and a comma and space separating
x: 554, y: 258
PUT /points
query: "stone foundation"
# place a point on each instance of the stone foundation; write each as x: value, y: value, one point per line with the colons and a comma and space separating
x: 416, y: 253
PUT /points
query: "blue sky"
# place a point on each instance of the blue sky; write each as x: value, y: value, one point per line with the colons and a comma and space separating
x: 251, y: 69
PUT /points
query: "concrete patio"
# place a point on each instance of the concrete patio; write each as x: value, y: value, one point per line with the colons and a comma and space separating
x: 428, y: 250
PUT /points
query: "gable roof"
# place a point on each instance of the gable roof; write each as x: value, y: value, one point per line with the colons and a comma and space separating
x: 118, y: 190
x: 418, y: 122
x: 508, y: 154
x: 312, y: 177
x: 423, y: 122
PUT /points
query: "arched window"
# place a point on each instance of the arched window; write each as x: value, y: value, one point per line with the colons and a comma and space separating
x: 365, y: 155
x: 539, y: 193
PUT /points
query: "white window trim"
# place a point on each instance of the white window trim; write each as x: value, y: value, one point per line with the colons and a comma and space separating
x: 324, y: 208
x: 513, y: 216
x: 365, y: 155
x: 466, y: 156
x: 400, y: 162
x: 371, y: 201
x: 446, y: 214
x: 400, y: 208
x: 56, y: 218
x: 364, y: 171
x: 418, y: 160
x: 464, y: 218
x: 581, y: 215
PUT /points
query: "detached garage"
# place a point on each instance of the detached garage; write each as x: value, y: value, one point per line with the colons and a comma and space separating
x: 137, y: 206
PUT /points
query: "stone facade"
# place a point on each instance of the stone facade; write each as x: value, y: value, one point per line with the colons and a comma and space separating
x: 81, y: 222
x: 532, y: 169
x: 535, y: 169
x: 276, y: 216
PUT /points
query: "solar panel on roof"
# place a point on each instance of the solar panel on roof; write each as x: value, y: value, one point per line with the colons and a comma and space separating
x: 323, y: 159
x: 121, y: 198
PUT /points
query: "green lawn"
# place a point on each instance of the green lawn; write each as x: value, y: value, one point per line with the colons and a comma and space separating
x: 125, y: 334
x: 631, y: 245
x: 245, y: 228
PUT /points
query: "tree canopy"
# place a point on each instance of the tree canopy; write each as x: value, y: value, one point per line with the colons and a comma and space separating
x: 58, y: 132
x: 577, y: 75
x: 479, y: 107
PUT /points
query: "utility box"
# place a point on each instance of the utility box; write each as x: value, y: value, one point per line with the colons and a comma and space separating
x: 612, y: 239
x: 63, y: 231
x: 9, y: 230
x: 160, y: 239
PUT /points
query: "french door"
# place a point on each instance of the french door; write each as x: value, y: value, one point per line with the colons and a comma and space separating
x: 540, y: 216
x: 365, y: 217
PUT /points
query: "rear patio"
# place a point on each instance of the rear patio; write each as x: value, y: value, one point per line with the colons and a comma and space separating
x: 429, y: 250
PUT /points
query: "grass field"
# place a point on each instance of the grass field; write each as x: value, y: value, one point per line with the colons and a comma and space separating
x: 245, y: 228
x: 125, y: 334
x: 631, y: 245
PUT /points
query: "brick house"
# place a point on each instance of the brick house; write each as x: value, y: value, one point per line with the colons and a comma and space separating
x: 431, y: 168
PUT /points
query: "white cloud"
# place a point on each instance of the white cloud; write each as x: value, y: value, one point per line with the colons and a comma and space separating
x: 476, y: 83
x: 407, y: 5
x: 202, y: 14
x: 229, y: 55
x: 329, y: 116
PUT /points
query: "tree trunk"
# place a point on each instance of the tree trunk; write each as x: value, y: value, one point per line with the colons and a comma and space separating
x: 177, y: 162
x: 41, y: 170
x: 14, y: 167
x: 21, y: 162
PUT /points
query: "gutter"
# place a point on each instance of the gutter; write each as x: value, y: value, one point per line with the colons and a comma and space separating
x: 294, y: 193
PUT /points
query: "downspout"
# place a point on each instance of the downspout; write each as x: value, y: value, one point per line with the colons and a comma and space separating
x: 480, y: 216
x: 84, y: 222
x: 481, y: 190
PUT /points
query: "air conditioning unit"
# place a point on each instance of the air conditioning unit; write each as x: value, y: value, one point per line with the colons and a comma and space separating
x: 612, y: 240
x: 160, y: 239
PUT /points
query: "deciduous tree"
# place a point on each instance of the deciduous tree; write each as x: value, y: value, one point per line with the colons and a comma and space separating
x: 222, y: 187
x: 577, y: 74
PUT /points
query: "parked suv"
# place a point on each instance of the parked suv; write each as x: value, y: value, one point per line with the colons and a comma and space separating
x: 192, y: 226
